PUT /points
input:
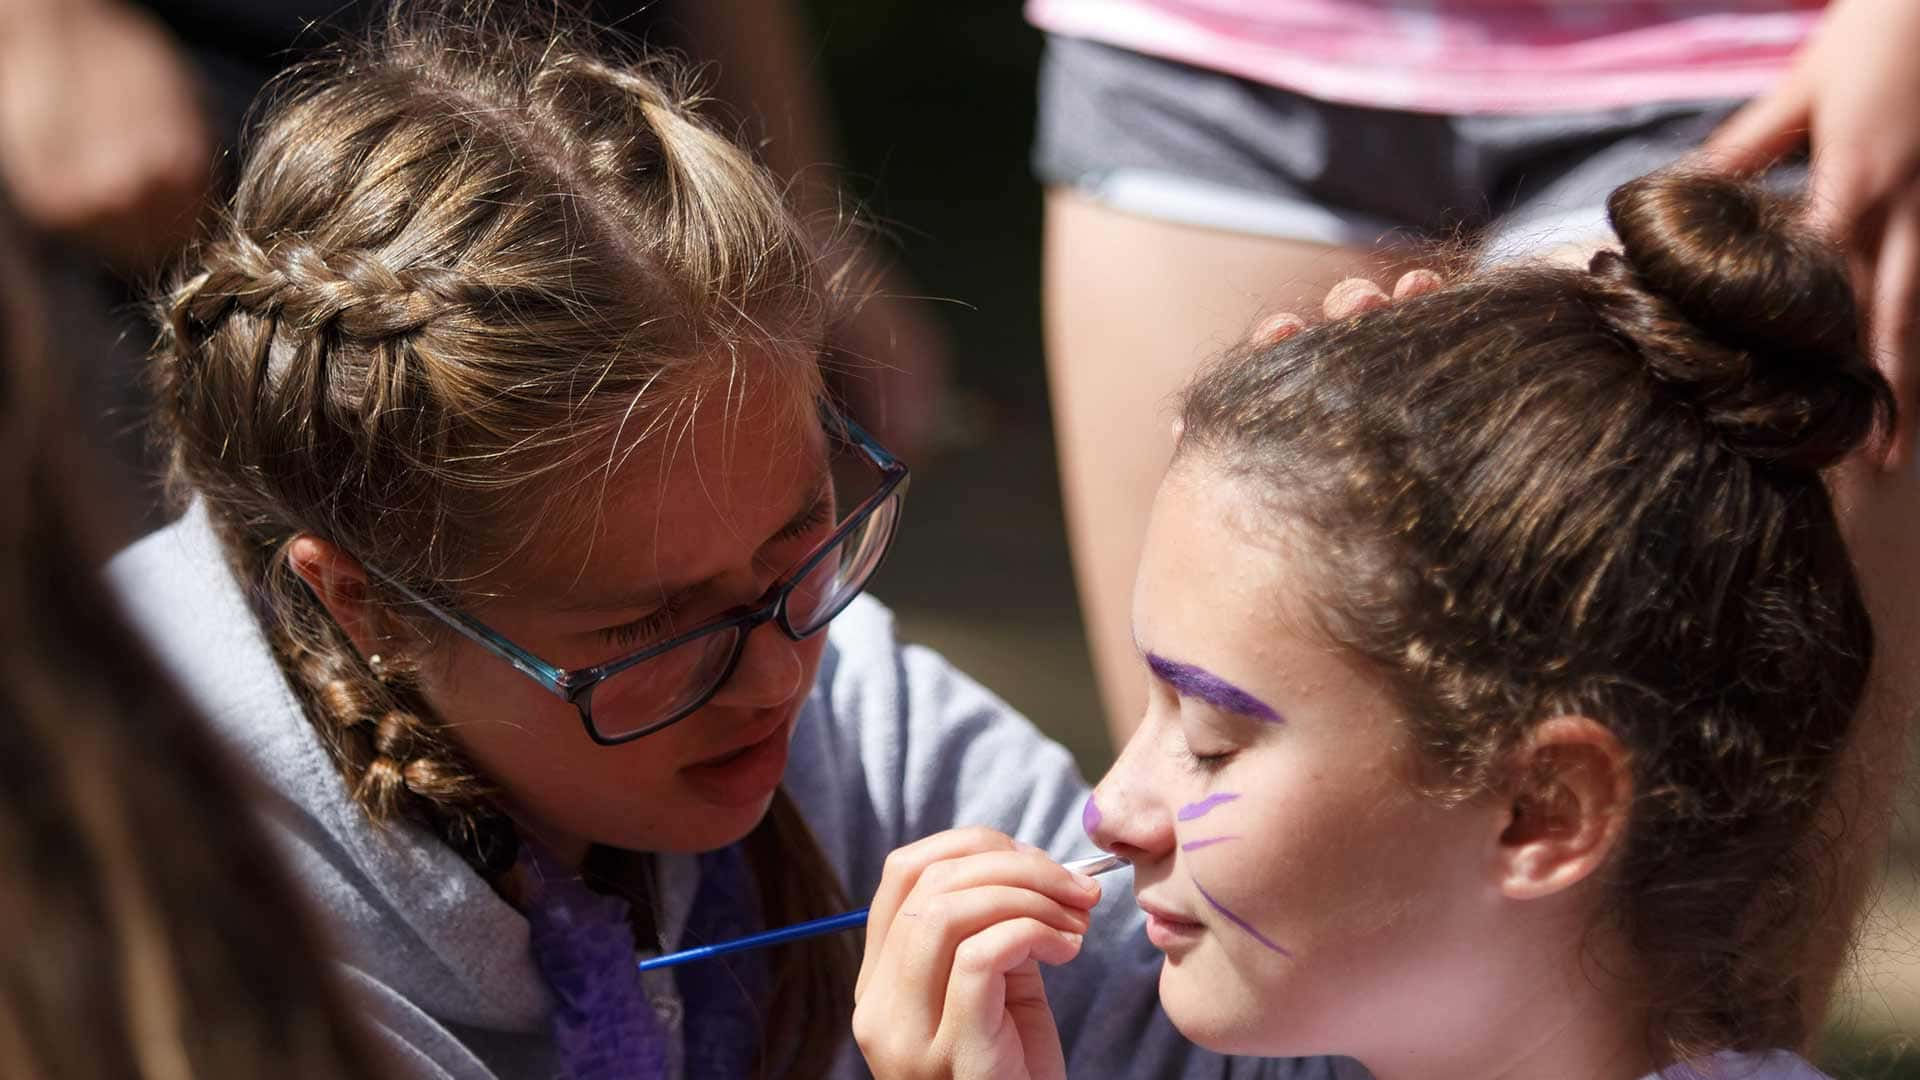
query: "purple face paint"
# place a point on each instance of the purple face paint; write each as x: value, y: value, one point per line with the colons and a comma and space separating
x: 1090, y: 816
x: 1196, y: 845
x: 1242, y: 923
x: 1200, y: 809
x: 1200, y: 684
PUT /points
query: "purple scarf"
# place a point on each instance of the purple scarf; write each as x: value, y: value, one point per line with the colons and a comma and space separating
x: 603, y: 1024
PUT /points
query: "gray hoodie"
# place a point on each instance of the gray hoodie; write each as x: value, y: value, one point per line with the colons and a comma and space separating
x: 893, y: 744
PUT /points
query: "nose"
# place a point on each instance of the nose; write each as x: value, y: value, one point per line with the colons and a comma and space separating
x: 1124, y: 815
x: 770, y: 671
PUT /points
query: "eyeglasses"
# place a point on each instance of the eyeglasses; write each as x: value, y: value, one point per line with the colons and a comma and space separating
x: 664, y: 683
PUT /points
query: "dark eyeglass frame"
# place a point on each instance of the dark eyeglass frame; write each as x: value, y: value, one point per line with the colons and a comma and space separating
x: 576, y: 686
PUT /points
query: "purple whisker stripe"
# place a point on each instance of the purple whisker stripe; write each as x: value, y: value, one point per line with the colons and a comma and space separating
x: 1200, y: 809
x: 1196, y: 845
x: 1242, y: 923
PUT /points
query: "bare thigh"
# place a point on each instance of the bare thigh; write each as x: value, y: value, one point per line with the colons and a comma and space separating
x: 1133, y: 307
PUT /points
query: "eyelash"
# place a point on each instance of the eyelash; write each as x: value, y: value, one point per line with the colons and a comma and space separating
x: 1206, y: 763
x: 822, y: 509
x: 642, y: 629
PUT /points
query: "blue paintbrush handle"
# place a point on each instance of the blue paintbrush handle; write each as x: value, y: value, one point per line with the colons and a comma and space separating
x: 832, y: 924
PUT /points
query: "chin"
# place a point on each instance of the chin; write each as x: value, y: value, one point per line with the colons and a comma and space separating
x: 1221, y: 1014
x: 707, y: 828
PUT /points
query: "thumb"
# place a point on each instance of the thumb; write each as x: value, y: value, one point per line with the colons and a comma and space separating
x: 1763, y: 131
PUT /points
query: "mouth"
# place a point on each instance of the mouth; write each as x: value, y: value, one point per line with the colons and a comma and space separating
x: 769, y: 725
x: 1168, y: 929
x: 748, y: 770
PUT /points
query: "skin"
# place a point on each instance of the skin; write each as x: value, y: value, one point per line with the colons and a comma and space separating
x: 1338, y: 909
x: 703, y: 512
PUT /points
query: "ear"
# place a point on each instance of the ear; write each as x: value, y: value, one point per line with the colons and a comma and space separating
x: 340, y: 582
x: 1569, y: 810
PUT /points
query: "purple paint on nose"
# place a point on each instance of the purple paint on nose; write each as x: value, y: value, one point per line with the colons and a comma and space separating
x: 1196, y: 845
x: 1193, y: 681
x: 1200, y: 809
x: 1242, y: 923
x: 1090, y: 816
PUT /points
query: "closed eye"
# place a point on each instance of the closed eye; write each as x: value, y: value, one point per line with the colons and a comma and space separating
x: 1207, y: 763
x: 645, y: 628
x: 816, y: 515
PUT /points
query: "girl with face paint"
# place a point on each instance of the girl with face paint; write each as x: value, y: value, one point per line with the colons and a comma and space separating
x: 1501, y: 644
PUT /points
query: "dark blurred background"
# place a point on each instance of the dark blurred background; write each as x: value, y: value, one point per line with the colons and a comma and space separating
x: 934, y: 109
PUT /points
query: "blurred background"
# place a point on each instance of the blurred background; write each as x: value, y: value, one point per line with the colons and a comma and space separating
x: 934, y: 107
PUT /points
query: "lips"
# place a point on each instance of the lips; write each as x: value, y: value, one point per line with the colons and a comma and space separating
x: 747, y: 772
x: 1165, y: 915
x: 772, y: 722
x: 1168, y: 930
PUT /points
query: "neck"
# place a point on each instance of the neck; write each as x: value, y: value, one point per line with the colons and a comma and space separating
x: 1574, y: 1020
x: 561, y: 849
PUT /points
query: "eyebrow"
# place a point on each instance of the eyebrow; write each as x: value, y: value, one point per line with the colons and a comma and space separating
x: 1193, y: 681
x: 650, y: 595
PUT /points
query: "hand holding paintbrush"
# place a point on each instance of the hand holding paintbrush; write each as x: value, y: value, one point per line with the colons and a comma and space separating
x: 951, y: 978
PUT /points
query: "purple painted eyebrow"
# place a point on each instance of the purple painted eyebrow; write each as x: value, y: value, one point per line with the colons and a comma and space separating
x: 1189, y: 680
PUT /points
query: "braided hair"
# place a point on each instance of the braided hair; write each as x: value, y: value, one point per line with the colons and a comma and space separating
x: 468, y: 268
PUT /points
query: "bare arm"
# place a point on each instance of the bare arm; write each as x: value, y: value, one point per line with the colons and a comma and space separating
x: 102, y: 132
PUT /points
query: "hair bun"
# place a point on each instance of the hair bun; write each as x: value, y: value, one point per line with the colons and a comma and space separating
x: 1736, y: 305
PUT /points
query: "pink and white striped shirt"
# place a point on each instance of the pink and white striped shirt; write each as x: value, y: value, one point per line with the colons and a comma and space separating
x: 1462, y: 56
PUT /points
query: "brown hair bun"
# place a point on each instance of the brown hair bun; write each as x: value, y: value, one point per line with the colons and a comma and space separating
x: 1738, y: 307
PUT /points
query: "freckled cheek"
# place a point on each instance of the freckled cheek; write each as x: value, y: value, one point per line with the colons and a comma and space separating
x: 1284, y: 858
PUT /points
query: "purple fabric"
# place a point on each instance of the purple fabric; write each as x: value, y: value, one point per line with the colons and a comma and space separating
x: 723, y: 995
x: 603, y: 1024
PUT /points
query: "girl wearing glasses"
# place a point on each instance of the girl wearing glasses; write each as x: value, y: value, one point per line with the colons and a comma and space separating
x: 1504, y: 649
x: 515, y: 523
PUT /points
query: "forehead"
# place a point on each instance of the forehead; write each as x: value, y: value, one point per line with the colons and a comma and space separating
x: 1222, y: 583
x: 698, y: 497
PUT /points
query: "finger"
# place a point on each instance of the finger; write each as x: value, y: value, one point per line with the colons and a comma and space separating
x: 902, y: 872
x: 1762, y: 132
x: 996, y: 981
x: 1351, y: 297
x: 1895, y: 292
x: 918, y: 958
x: 1840, y: 197
x: 1278, y: 327
x: 1025, y: 868
x: 1416, y: 283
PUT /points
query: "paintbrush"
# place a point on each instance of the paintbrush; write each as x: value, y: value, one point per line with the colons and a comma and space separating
x: 832, y: 924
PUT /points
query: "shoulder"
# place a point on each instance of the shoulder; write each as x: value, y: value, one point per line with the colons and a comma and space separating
x: 1753, y: 1065
x: 402, y: 908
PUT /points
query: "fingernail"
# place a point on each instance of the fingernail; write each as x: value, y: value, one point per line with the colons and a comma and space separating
x: 1074, y: 939
x: 1086, y: 883
x: 1022, y: 845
